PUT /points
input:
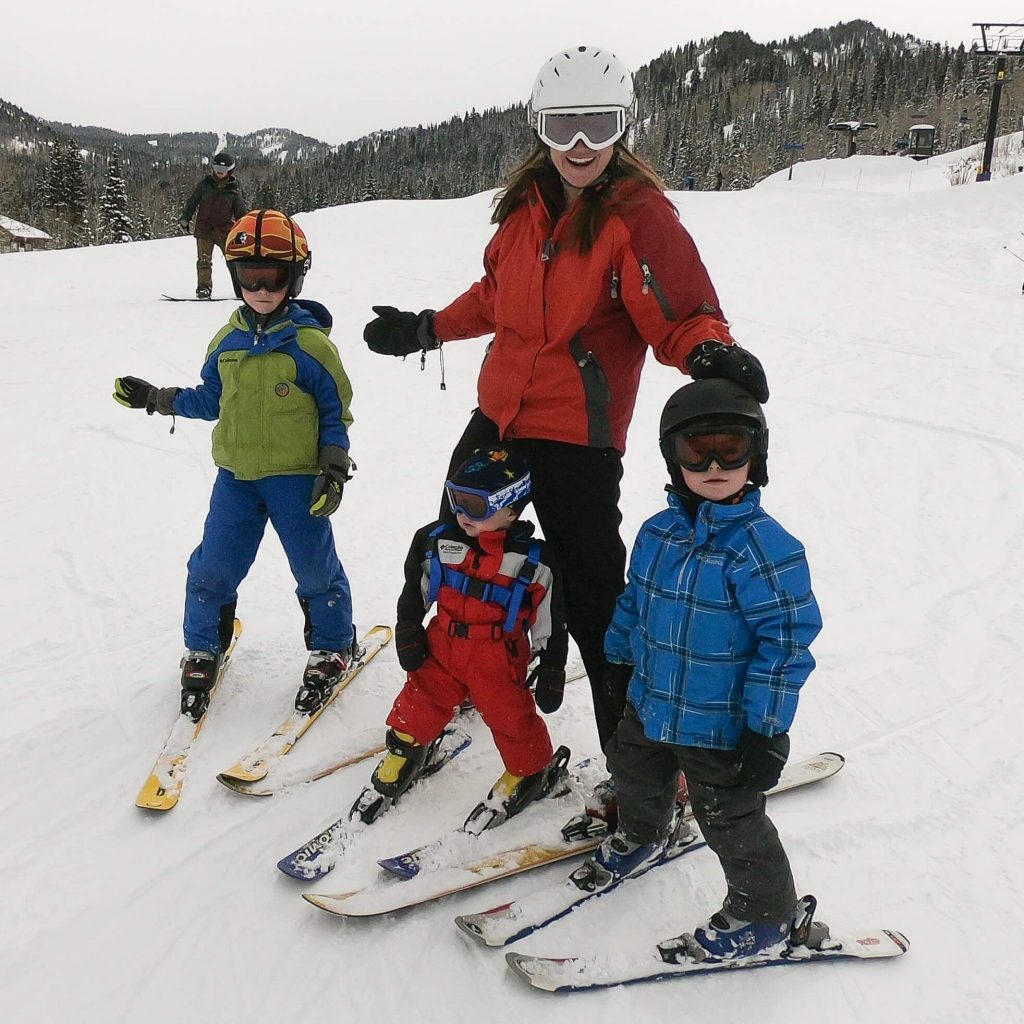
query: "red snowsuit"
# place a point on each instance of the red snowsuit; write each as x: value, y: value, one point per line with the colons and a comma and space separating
x: 469, y: 651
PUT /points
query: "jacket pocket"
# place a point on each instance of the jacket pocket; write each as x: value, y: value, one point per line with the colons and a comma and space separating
x: 597, y: 394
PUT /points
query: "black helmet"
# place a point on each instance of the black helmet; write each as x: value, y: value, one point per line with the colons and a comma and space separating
x: 714, y: 402
x: 224, y: 162
x: 497, y: 475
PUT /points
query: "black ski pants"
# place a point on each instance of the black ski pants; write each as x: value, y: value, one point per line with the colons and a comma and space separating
x: 575, y: 493
x: 732, y: 818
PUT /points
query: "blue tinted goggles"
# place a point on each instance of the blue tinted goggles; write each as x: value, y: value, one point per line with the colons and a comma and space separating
x: 478, y: 504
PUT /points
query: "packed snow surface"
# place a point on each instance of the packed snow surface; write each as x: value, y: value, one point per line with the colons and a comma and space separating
x: 886, y: 306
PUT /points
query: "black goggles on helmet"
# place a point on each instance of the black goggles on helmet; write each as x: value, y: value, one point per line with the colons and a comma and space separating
x: 254, y: 276
x: 728, y: 446
x: 476, y: 503
x: 599, y: 129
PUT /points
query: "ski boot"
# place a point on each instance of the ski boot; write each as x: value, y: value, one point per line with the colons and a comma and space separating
x: 402, y: 765
x: 198, y: 675
x: 324, y: 671
x: 619, y: 857
x: 511, y: 793
x: 724, y: 937
x: 204, y: 291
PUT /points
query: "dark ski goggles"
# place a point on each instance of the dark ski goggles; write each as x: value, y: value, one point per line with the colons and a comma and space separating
x: 272, y: 276
x: 730, y: 447
x: 599, y: 129
x: 478, y: 504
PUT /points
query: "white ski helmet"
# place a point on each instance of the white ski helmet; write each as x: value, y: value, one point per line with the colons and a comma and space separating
x: 581, y: 77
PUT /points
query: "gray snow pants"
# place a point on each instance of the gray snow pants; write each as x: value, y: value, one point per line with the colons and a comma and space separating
x: 732, y: 818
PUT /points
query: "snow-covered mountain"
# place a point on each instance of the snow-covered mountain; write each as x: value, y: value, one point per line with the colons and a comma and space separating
x: 885, y: 305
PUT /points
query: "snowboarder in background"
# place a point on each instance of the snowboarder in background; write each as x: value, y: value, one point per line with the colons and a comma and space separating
x: 274, y: 382
x: 217, y: 203
x: 498, y: 597
x: 715, y: 624
x: 588, y: 269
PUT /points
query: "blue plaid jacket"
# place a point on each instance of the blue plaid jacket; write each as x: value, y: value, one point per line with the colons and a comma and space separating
x: 717, y: 616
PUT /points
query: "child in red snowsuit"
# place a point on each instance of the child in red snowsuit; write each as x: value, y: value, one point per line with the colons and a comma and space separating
x: 499, y: 600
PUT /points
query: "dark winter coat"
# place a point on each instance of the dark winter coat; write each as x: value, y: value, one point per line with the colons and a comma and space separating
x: 219, y: 203
x: 572, y: 329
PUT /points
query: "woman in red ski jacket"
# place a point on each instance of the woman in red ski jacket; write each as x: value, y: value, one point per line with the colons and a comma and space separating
x: 588, y: 269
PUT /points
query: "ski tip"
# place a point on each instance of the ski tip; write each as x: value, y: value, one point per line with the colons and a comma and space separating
x: 326, y: 902
x: 469, y: 925
x: 240, y: 787
x: 525, y: 967
x: 404, y: 866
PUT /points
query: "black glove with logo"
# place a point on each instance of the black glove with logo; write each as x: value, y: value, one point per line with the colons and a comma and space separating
x: 411, y: 645
x: 395, y: 333
x: 335, y: 468
x: 133, y: 393
x: 712, y: 359
x: 550, y: 689
x: 761, y: 758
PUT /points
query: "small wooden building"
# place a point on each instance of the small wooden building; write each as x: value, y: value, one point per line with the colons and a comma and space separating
x: 18, y: 237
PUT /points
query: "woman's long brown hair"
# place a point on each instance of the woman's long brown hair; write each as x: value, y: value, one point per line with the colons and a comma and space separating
x: 591, y: 208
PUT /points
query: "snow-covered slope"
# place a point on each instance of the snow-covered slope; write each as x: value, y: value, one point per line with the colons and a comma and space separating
x: 889, y: 322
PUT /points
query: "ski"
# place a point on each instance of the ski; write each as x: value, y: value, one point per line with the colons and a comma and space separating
x: 256, y: 765
x: 319, y: 855
x: 163, y: 787
x: 510, y: 922
x: 407, y: 865
x: 462, y: 862
x: 576, y: 974
x: 270, y: 788
x: 195, y: 298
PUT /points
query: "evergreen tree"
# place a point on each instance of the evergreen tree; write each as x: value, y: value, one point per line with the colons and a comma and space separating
x: 115, y: 223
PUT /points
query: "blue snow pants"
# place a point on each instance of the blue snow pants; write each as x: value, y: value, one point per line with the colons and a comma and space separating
x: 239, y: 510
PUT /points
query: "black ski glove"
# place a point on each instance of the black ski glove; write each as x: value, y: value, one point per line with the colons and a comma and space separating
x: 712, y: 359
x: 761, y: 758
x: 550, y: 689
x: 133, y: 393
x: 335, y: 468
x: 395, y: 333
x: 411, y: 644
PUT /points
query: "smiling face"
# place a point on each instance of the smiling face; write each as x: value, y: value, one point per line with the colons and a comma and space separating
x: 580, y: 166
x: 715, y: 483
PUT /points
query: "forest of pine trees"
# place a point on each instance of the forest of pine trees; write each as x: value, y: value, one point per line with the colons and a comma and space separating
x: 712, y: 114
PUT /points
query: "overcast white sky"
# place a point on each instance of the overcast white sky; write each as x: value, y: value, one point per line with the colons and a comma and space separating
x: 338, y: 70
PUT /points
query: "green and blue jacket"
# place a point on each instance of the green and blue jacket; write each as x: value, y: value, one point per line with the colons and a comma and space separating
x: 278, y: 391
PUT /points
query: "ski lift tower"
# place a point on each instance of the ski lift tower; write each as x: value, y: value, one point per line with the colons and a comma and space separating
x: 1001, y: 40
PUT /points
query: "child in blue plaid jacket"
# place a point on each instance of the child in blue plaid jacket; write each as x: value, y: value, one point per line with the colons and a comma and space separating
x: 716, y: 618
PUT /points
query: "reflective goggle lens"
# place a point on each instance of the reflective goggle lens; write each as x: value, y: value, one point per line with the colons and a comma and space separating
x: 730, y: 447
x: 599, y: 129
x: 252, y: 279
x: 469, y: 503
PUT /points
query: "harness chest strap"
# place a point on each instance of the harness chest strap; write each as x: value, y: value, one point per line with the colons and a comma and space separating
x: 509, y: 598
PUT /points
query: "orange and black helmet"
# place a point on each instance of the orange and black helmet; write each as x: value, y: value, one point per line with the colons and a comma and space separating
x: 268, y: 236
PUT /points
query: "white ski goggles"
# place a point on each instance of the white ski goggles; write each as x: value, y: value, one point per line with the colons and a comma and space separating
x: 599, y: 128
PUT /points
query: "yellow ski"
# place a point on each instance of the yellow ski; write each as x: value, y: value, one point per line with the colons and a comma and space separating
x: 255, y: 765
x: 163, y: 787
